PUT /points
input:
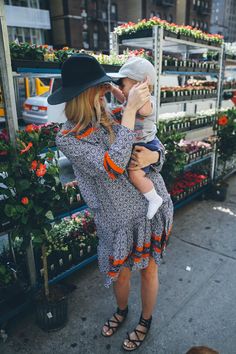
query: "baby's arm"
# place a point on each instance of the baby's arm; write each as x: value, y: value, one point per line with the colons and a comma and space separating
x: 117, y: 93
x: 147, y: 109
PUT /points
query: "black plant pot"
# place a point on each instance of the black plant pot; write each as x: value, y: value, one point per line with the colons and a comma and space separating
x: 22, y: 63
x: 52, y: 315
x: 138, y: 34
x: 218, y: 192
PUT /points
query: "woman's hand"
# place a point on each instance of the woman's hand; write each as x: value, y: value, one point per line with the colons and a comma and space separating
x: 142, y: 157
x: 138, y: 96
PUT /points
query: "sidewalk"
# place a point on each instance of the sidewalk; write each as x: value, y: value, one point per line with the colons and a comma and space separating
x: 195, y: 307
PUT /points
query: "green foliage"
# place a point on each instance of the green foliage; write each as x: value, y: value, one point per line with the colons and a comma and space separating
x: 74, y: 233
x: 226, y: 143
x: 30, y: 184
x: 6, y: 276
x: 175, y: 157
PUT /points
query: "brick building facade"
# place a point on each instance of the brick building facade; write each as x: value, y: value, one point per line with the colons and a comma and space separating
x: 85, y: 23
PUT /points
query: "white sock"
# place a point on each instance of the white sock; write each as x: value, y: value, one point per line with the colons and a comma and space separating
x: 155, y: 202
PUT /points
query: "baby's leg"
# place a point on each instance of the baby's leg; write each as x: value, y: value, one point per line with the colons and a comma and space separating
x: 140, y: 181
x: 145, y: 186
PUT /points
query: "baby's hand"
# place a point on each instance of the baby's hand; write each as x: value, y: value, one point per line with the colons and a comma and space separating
x: 118, y: 94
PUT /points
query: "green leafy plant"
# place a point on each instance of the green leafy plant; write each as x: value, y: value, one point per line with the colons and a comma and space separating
x: 31, y: 188
x: 175, y: 156
x: 226, y: 142
x: 72, y: 233
x: 6, y: 276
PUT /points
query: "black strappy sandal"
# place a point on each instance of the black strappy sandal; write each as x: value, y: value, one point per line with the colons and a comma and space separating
x: 137, y: 342
x: 113, y: 325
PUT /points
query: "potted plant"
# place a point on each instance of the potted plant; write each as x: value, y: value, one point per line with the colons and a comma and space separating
x: 11, y: 288
x: 31, y: 188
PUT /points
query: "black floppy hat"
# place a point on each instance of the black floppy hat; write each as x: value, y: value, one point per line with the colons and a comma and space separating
x: 79, y: 72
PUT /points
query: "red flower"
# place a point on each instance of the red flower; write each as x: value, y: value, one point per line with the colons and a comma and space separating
x: 223, y: 120
x: 31, y: 128
x: 40, y: 172
x: 26, y: 148
x: 25, y: 200
x: 34, y: 165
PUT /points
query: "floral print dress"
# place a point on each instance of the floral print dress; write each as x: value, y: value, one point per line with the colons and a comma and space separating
x: 126, y: 237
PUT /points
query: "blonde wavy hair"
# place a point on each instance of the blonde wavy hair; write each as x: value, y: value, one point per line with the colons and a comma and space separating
x: 90, y: 107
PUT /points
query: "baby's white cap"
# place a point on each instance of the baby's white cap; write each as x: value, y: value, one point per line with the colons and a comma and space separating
x: 137, y: 69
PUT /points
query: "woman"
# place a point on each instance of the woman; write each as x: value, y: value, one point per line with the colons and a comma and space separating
x: 100, y: 150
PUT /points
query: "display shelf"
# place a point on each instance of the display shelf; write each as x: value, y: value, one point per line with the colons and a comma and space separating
x: 190, y: 73
x: 39, y: 70
x: 227, y: 175
x: 69, y: 213
x: 73, y: 269
x: 8, y: 312
x: 229, y: 90
x: 230, y: 62
x: 189, y: 101
x: 199, y: 133
x: 170, y: 45
x: 198, y: 161
x: 191, y: 197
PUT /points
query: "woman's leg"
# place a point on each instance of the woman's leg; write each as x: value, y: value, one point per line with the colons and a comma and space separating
x: 121, y: 289
x: 149, y: 292
x: 149, y: 288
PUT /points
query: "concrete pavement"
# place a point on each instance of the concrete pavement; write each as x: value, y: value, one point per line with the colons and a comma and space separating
x: 194, y: 307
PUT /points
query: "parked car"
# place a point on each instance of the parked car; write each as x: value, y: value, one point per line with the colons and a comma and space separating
x: 36, y: 109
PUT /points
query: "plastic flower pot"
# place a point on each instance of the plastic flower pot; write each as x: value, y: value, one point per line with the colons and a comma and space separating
x: 52, y: 313
x: 170, y: 34
x: 137, y: 34
x: 20, y: 63
x: 218, y: 191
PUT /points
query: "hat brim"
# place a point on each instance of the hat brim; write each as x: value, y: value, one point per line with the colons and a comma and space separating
x: 117, y: 77
x: 65, y: 94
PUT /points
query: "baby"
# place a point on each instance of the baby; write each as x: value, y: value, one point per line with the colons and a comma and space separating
x: 137, y: 70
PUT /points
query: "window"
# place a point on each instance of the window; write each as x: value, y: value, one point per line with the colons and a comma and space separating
x: 34, y: 3
x: 193, y: 23
x: 23, y: 3
x: 113, y: 9
x: 85, y: 38
x: 159, y: 15
x: 104, y: 15
x: 152, y: 14
x: 30, y: 35
x: 170, y: 18
x: 113, y: 12
x: 95, y: 40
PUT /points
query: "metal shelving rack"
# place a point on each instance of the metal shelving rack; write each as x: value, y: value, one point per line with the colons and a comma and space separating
x: 159, y: 43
